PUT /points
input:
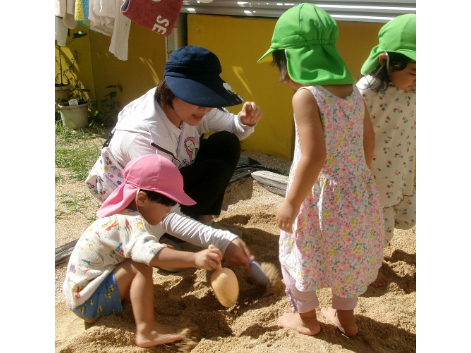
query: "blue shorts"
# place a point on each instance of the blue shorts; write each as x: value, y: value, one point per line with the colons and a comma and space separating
x: 105, y: 300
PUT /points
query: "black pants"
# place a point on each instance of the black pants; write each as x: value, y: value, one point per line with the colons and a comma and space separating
x: 206, y: 180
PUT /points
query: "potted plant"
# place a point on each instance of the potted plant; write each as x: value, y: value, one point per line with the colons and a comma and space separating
x: 71, y: 102
x: 62, y: 89
x: 74, y: 112
x: 62, y: 83
x: 97, y: 113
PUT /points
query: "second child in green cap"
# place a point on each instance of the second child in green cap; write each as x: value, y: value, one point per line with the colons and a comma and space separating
x: 388, y: 89
x: 331, y: 219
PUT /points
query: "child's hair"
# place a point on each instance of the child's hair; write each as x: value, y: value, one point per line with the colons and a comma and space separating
x: 159, y: 198
x: 279, y: 60
x: 397, y: 62
x: 163, y: 94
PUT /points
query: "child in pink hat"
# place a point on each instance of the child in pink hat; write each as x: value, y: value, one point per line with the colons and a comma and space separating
x: 114, y: 258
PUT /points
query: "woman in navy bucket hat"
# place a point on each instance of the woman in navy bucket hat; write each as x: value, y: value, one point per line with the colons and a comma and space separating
x: 170, y: 120
x: 192, y: 74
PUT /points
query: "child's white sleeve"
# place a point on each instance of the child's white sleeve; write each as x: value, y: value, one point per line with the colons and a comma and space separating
x: 144, y: 248
x: 130, y: 238
x: 196, y: 233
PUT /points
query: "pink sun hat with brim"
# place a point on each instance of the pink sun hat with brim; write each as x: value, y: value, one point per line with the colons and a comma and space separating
x: 150, y: 172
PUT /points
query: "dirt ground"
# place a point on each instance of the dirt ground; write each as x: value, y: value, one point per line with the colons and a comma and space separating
x: 386, y: 316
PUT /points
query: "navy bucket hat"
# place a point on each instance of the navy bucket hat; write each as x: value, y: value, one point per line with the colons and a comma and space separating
x: 192, y: 74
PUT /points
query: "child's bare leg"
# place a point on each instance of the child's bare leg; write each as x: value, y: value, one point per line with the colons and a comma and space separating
x: 389, y: 221
x: 135, y: 282
x: 305, y: 323
x: 343, y: 319
x: 380, y: 281
x: 205, y: 218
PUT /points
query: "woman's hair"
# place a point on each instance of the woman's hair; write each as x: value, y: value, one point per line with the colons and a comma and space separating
x: 279, y: 60
x: 397, y: 62
x: 163, y: 94
x: 159, y: 198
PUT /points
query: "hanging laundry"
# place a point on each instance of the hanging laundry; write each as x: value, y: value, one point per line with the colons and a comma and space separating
x: 64, y: 11
x: 159, y: 17
x: 61, y: 7
x: 101, y: 15
x: 61, y: 31
x: 119, y: 39
x: 106, y: 18
x: 69, y: 18
x: 81, y: 12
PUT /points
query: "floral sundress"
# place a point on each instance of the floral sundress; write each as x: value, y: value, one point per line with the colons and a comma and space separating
x: 337, y: 239
x: 392, y: 113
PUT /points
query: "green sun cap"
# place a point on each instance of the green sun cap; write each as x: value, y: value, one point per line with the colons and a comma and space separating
x: 397, y: 36
x: 309, y: 35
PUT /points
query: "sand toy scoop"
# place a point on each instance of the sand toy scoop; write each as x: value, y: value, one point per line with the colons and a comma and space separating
x: 225, y: 285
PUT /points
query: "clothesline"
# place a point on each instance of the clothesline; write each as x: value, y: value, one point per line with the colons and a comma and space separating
x: 113, y: 18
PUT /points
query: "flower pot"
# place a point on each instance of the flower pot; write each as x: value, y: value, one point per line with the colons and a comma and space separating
x: 74, y: 116
x: 62, y: 91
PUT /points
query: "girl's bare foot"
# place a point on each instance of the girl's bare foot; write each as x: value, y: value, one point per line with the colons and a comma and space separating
x: 158, y: 334
x: 305, y: 325
x: 343, y: 319
x: 380, y: 281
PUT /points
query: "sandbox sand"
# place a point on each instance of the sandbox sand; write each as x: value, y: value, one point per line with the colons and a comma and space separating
x: 386, y: 316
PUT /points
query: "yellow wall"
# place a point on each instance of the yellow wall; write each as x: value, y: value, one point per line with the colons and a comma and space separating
x: 98, y: 67
x: 239, y: 42
x: 356, y: 39
x: 142, y: 71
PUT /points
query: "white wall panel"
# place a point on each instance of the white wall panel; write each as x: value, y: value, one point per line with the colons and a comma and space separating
x: 363, y: 11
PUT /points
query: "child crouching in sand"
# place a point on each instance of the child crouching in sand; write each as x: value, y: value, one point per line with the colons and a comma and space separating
x: 113, y: 260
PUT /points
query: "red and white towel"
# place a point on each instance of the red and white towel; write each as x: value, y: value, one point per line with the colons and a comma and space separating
x: 157, y: 15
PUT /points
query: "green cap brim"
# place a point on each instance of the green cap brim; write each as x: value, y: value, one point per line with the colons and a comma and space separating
x: 318, y: 65
x: 266, y: 57
x: 411, y: 54
x: 373, y: 60
x: 396, y: 36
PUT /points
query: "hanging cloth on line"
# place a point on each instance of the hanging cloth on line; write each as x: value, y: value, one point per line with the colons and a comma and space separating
x: 159, y: 17
x: 64, y: 11
x: 113, y: 18
x: 104, y: 16
x: 81, y: 12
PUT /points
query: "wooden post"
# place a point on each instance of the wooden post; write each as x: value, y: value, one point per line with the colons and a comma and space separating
x: 273, y: 182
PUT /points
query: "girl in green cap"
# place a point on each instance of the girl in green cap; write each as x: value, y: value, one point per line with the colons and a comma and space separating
x: 388, y: 89
x: 331, y: 219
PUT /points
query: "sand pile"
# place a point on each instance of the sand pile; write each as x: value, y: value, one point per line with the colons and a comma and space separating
x: 385, y: 316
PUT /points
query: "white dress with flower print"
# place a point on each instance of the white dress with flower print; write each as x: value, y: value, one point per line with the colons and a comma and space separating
x: 392, y: 113
x: 337, y: 239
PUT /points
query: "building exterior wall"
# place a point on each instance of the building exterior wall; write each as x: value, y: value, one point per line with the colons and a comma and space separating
x: 142, y: 71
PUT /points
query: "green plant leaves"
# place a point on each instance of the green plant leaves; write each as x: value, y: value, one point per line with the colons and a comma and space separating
x: 104, y: 112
